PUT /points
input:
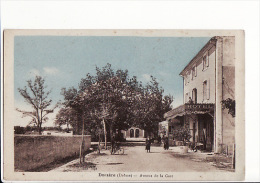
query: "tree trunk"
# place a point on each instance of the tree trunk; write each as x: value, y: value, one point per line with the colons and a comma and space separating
x: 105, y: 132
x: 82, y: 155
x: 39, y: 129
x: 99, y: 148
x: 111, y: 132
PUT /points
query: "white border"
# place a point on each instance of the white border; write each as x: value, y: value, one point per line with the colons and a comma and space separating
x: 155, y: 15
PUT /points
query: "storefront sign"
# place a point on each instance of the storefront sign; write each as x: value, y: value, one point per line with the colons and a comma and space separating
x: 189, y: 108
x: 198, y: 107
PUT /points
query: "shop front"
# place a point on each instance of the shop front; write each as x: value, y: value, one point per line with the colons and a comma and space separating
x: 199, y: 118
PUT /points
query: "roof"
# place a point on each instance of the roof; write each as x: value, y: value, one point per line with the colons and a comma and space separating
x: 207, y: 46
x: 187, y: 109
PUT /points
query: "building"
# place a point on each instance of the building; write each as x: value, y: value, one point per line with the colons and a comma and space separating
x: 165, y: 129
x: 133, y: 132
x: 208, y: 79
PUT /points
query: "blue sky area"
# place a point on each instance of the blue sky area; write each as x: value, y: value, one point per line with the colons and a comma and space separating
x: 64, y: 60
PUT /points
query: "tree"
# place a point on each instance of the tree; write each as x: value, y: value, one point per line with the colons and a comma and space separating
x: 150, y: 106
x: 65, y: 116
x: 35, y: 94
x: 229, y: 104
x: 114, y: 100
x: 108, y: 97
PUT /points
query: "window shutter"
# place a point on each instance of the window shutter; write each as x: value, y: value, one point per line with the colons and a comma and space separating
x: 208, y: 89
x: 207, y: 59
x: 195, y: 70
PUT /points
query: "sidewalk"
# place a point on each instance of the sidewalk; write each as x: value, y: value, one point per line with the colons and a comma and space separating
x: 218, y: 160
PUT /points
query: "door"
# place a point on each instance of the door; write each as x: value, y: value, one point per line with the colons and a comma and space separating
x: 206, y: 131
x: 209, y: 135
x: 194, y: 131
x: 131, y: 133
x: 137, y: 133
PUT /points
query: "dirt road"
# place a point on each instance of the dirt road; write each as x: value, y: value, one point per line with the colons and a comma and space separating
x: 137, y: 159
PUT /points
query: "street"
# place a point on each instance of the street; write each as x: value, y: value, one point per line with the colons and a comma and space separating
x: 136, y: 159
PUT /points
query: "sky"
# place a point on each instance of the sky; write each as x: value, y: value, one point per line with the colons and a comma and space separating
x: 64, y: 60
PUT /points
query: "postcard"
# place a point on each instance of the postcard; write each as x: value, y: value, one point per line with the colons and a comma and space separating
x: 124, y: 105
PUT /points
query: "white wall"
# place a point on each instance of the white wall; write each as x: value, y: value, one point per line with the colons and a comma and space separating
x: 202, y: 75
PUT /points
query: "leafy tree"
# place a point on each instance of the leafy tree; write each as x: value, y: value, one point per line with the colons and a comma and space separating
x: 35, y: 94
x: 73, y: 117
x: 150, y: 106
x: 182, y: 133
x: 112, y: 100
x: 65, y: 116
x: 108, y: 97
x: 229, y: 104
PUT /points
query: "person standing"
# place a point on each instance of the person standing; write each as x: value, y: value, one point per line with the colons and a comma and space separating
x: 113, y: 145
x: 148, y: 144
x: 159, y: 139
x: 166, y: 143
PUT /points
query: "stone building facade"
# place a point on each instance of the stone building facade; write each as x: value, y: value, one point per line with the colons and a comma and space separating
x: 133, y: 132
x: 208, y: 79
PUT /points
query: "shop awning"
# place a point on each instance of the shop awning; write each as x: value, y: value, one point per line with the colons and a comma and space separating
x: 187, y: 109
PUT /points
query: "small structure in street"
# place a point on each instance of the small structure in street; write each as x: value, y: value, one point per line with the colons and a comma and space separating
x: 134, y: 133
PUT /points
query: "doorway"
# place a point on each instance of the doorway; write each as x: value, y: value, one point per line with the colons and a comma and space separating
x: 206, y: 131
x: 131, y: 133
x: 137, y: 133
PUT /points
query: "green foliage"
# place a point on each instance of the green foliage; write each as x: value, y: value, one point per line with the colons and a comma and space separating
x: 229, y: 104
x: 182, y: 134
x: 117, y: 100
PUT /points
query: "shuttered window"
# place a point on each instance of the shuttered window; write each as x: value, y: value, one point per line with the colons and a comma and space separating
x: 194, y: 72
x: 186, y: 97
x: 205, y: 61
x: 208, y: 90
x: 204, y: 90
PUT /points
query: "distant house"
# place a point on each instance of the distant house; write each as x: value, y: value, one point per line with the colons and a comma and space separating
x: 209, y: 78
x: 133, y: 132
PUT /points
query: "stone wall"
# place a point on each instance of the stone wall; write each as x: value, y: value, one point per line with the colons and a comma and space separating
x: 32, y: 152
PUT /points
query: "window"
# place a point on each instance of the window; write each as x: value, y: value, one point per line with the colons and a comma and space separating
x: 194, y: 95
x: 205, y: 61
x: 206, y: 89
x: 188, y: 78
x: 194, y: 72
x: 186, y: 97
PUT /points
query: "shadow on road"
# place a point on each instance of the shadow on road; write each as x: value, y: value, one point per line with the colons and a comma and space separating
x: 118, y: 154
x: 114, y: 163
x: 99, y: 154
x: 84, y: 166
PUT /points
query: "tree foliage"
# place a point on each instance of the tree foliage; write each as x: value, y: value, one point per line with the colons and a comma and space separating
x: 229, y: 104
x: 35, y: 94
x: 113, y: 100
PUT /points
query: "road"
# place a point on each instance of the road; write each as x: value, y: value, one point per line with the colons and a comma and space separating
x: 137, y: 159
